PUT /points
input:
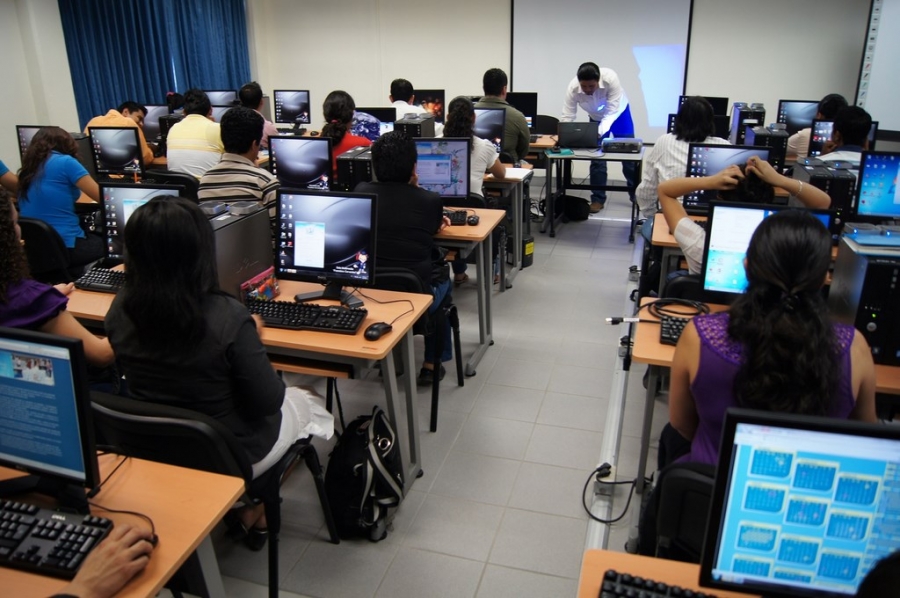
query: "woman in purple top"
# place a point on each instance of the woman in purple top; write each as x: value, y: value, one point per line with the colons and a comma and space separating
x: 776, y: 348
x: 26, y: 303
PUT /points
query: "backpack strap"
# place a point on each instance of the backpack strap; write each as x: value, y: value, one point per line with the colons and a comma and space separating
x: 378, y: 465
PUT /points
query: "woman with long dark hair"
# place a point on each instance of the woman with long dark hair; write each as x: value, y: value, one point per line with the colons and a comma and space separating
x: 50, y: 182
x: 775, y: 349
x: 181, y: 341
x: 338, y: 110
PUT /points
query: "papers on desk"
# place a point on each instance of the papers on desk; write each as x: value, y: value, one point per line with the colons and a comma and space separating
x: 512, y: 174
x: 589, y: 153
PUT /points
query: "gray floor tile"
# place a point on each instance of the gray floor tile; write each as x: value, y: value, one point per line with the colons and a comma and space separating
x: 549, y: 489
x: 503, y: 582
x: 573, y: 411
x: 417, y: 573
x: 521, y: 374
x: 347, y: 569
x: 437, y: 445
x: 507, y: 402
x: 239, y: 588
x: 494, y: 437
x: 564, y: 447
x: 455, y: 526
x: 585, y: 382
x: 476, y: 477
x: 541, y: 543
x: 238, y: 561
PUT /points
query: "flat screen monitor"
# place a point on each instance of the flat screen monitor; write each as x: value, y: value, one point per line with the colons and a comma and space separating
x: 25, y: 133
x: 301, y: 162
x: 433, y: 101
x: 219, y: 111
x: 118, y: 203
x: 670, y: 124
x: 876, y: 186
x: 45, y: 425
x: 291, y: 107
x: 728, y: 232
x: 221, y: 97
x: 151, y: 121
x: 822, y: 131
x: 117, y: 150
x: 802, y: 506
x: 490, y: 124
x: 443, y: 166
x: 326, y: 238
x: 372, y: 123
x: 719, y: 105
x: 706, y: 159
x: 525, y: 102
x: 797, y: 114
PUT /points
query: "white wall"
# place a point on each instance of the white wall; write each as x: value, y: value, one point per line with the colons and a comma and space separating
x: 36, y: 80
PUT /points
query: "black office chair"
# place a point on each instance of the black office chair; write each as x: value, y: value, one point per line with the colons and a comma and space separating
x: 169, y: 177
x: 681, y: 285
x: 190, y: 439
x: 545, y: 125
x: 407, y: 281
x: 684, y: 494
x: 48, y: 259
x: 506, y: 158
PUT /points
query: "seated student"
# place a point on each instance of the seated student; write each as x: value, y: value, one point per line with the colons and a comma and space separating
x: 181, y: 341
x: 775, y: 349
x: 128, y: 114
x: 850, y: 136
x: 668, y: 159
x: 33, y: 305
x: 460, y: 123
x: 237, y: 177
x: 194, y: 144
x: 882, y: 579
x: 251, y: 96
x: 798, y: 143
x: 754, y: 184
x: 50, y: 182
x: 8, y: 179
x: 516, y: 136
x: 408, y: 219
x: 338, y: 110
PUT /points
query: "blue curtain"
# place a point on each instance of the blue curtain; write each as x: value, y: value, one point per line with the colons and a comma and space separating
x: 139, y: 50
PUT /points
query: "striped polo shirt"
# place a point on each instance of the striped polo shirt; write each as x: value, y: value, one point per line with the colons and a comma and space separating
x: 236, y: 178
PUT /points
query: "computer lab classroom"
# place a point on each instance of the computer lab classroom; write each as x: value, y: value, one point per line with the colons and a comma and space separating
x: 510, y: 501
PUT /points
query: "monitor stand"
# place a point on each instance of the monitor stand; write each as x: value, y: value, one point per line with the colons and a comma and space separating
x: 70, y: 496
x: 333, y: 291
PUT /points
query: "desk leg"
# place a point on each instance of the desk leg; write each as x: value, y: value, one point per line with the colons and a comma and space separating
x: 549, y: 208
x: 649, y: 404
x: 484, y: 263
x: 209, y: 569
x: 412, y: 406
x: 517, y: 197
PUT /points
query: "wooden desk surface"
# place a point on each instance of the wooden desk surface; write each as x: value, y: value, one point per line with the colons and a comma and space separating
x: 184, y: 504
x: 543, y: 142
x: 596, y: 562
x: 488, y: 221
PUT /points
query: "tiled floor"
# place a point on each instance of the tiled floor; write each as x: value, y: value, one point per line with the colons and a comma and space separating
x: 498, y: 510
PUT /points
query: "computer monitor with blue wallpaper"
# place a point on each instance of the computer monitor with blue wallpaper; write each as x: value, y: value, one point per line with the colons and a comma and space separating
x: 877, y: 197
x: 802, y: 506
x: 443, y: 166
x: 372, y: 123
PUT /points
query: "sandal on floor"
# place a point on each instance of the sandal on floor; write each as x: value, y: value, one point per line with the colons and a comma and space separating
x: 460, y: 278
x: 236, y: 528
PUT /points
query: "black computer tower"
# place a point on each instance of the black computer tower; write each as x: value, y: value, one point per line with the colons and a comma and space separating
x: 85, y: 153
x: 353, y: 167
x: 838, y: 183
x: 774, y: 139
x: 418, y: 125
x: 743, y: 116
x: 864, y: 293
x: 165, y: 123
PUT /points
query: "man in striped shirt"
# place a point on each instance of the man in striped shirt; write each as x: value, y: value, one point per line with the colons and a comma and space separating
x: 237, y: 177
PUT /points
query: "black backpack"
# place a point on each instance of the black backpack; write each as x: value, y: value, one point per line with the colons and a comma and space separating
x: 364, y: 479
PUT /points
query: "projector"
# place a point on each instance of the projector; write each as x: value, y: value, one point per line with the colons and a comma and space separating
x: 622, y: 145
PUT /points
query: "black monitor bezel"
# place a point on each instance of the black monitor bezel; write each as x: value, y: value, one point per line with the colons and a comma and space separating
x: 273, y: 159
x: 857, y: 193
x: 177, y: 190
x: 781, y: 104
x: 721, y: 102
x: 515, y: 99
x: 233, y: 102
x: 19, y: 137
x: 699, y: 209
x: 275, y: 112
x: 468, y: 142
x: 733, y: 417
x: 82, y: 393
x: 106, y: 172
x: 423, y: 93
x: 317, y: 278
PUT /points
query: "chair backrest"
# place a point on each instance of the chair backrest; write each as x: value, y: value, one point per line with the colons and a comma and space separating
x: 685, y: 494
x: 545, y: 125
x: 472, y: 201
x: 506, y: 158
x: 406, y: 281
x: 683, y: 286
x: 48, y: 259
x: 168, y: 435
x: 190, y: 183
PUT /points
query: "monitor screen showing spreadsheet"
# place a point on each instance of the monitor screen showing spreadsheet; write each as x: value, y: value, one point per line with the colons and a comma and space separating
x: 222, y: 97
x: 151, y: 121
x: 443, y: 165
x: 821, y: 133
x: 489, y: 125
x: 707, y: 160
x: 292, y: 106
x: 118, y: 202
x: 301, y: 162
x: 876, y: 187
x: 432, y: 100
x: 117, y: 150
x: 797, y: 114
x: 525, y: 102
x: 802, y: 506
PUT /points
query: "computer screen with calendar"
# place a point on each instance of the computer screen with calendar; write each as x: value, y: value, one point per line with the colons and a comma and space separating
x: 802, y: 506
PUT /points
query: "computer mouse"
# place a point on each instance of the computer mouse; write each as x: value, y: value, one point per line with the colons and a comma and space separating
x: 377, y: 330
x: 313, y: 133
x: 154, y: 540
x: 473, y: 219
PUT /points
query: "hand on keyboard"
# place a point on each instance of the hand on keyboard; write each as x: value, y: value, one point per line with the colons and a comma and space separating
x: 107, y: 569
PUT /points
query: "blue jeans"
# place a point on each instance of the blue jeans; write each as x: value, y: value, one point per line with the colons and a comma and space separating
x: 622, y: 127
x: 439, y: 291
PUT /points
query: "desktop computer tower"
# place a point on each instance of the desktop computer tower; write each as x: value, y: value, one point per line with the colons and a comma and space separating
x: 864, y: 293
x: 85, y: 153
x: 416, y: 125
x: 742, y: 117
x: 774, y: 139
x: 353, y: 167
x: 243, y: 248
x: 838, y: 183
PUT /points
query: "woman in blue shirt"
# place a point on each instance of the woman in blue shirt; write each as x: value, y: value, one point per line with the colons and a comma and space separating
x: 50, y: 182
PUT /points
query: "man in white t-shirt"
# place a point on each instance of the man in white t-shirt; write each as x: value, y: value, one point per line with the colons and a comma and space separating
x: 403, y: 97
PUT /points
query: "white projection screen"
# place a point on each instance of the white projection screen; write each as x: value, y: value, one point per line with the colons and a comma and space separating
x: 879, y: 77
x: 644, y: 41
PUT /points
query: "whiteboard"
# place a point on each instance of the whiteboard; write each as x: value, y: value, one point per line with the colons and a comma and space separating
x: 879, y: 77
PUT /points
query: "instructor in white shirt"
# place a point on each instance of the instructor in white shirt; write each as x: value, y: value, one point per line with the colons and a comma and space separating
x: 598, y: 92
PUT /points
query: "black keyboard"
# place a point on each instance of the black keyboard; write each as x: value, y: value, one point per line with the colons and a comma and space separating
x: 670, y: 329
x: 47, y: 542
x: 102, y: 280
x: 617, y: 584
x: 457, y: 217
x: 308, y: 316
x: 534, y: 138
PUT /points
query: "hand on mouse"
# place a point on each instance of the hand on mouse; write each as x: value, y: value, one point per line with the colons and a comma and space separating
x: 112, y: 564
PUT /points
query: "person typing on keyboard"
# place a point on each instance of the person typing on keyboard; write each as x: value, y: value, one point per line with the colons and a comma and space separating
x: 112, y: 564
x: 181, y: 341
x: 32, y: 305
